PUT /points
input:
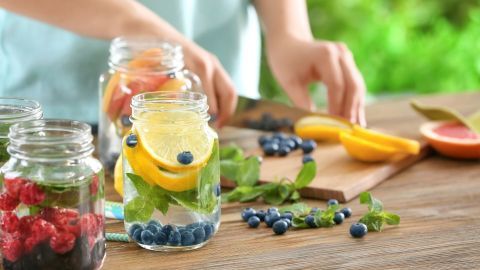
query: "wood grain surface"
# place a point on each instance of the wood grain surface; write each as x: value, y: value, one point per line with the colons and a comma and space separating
x: 438, y: 200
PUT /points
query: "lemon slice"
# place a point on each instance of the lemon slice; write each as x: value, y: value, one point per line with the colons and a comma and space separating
x: 364, y: 150
x: 400, y: 144
x: 321, y: 128
x: 118, y: 176
x: 166, y: 134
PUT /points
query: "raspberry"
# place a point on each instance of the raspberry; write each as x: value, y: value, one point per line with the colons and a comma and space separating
x: 30, y: 243
x: 91, y: 242
x: 12, y: 249
x: 88, y: 224
x: 7, y: 202
x: 42, y: 229
x: 14, y: 185
x: 31, y: 194
x: 9, y: 222
x: 100, y: 221
x: 25, y: 224
x: 94, y: 185
x: 62, y: 242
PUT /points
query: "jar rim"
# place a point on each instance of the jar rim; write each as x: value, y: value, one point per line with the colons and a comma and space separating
x: 21, y: 109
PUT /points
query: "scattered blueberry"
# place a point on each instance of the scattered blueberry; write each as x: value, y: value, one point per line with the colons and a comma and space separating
x: 147, y: 237
x: 307, y: 158
x: 297, y: 140
x: 286, y: 122
x: 218, y: 190
x: 289, y: 143
x: 308, y: 146
x: 187, y: 238
x: 209, y: 229
x: 253, y: 222
x: 185, y: 157
x: 358, y: 230
x: 153, y: 228
x: 288, y: 221
x: 261, y: 215
x: 247, y: 213
x: 279, y: 135
x: 272, y: 218
x: 167, y: 229
x: 332, y: 202
x: 160, y: 238
x: 133, y: 228
x: 283, y: 151
x: 347, y: 212
x: 270, y: 148
x: 310, y: 221
x: 263, y: 139
x: 174, y: 238
x: 287, y: 215
x: 314, y: 210
x: 280, y: 227
x: 272, y: 209
x: 137, y: 235
x: 131, y: 140
x: 125, y: 120
x: 338, y: 218
x: 199, y: 234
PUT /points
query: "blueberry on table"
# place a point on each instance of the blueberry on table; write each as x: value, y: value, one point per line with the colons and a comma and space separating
x: 272, y: 209
x: 147, y: 237
x: 288, y: 221
x: 261, y: 215
x: 199, y: 234
x: 174, y: 238
x: 280, y: 227
x: 358, y: 230
x: 160, y: 238
x: 347, y: 212
x: 247, y: 213
x: 286, y: 122
x: 262, y: 140
x: 289, y: 143
x: 308, y: 146
x: 187, y: 238
x: 131, y: 140
x: 253, y: 222
x: 310, y: 221
x: 185, y: 157
x: 287, y: 215
x: 338, y: 218
x: 307, y: 158
x: 272, y: 218
x: 283, y: 151
x: 332, y: 202
x: 270, y: 149
x: 137, y: 235
x: 279, y: 135
x: 297, y: 140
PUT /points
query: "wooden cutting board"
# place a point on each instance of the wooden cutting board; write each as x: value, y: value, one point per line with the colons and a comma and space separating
x: 338, y: 176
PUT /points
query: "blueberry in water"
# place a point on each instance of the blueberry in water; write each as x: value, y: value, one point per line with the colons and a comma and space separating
x: 280, y: 227
x: 160, y: 238
x: 270, y: 149
x: 347, y: 212
x: 147, y: 237
x: 272, y: 209
x: 167, y: 229
x: 287, y: 215
x: 307, y: 158
x: 152, y: 228
x: 288, y: 221
x: 187, y: 238
x: 181, y: 229
x: 185, y: 157
x: 261, y: 215
x: 131, y: 140
x: 133, y: 228
x: 253, y: 222
x: 338, y: 218
x: 272, y: 218
x: 194, y: 225
x: 174, y: 238
x: 137, y: 235
x: 209, y: 229
x: 332, y: 202
x: 297, y: 140
x: 247, y: 213
x: 199, y: 234
x: 218, y: 190
x: 283, y: 151
x: 310, y: 221
x: 125, y: 120
x: 308, y: 146
x: 263, y: 139
x: 154, y: 222
x: 358, y: 230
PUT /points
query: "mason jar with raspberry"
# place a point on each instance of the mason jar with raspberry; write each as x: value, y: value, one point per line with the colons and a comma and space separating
x: 52, y: 198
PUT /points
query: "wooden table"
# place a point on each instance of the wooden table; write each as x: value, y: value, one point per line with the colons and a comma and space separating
x: 438, y: 200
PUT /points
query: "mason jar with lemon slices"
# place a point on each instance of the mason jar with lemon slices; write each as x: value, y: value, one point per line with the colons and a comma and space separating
x: 171, y: 172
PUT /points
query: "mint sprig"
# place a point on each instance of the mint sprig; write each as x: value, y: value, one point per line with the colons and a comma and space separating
x: 323, y: 218
x: 376, y: 217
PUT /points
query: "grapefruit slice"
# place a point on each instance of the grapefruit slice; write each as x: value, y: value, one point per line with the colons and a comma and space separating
x: 452, y: 139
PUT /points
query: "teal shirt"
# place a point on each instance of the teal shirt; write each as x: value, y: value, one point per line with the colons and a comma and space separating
x: 60, y: 69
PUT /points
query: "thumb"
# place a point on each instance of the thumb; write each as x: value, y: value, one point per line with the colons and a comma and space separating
x: 299, y: 96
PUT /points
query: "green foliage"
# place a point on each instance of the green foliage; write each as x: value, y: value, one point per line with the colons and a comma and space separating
x: 417, y: 46
x: 376, y: 217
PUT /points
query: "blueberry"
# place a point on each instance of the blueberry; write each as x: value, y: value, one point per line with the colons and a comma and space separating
x: 358, y: 230
x: 199, y: 234
x: 247, y: 213
x: 262, y: 140
x: 283, y: 151
x: 307, y: 158
x: 218, y: 190
x: 332, y: 202
x: 185, y: 157
x: 174, y: 238
x: 289, y: 143
x: 266, y: 116
x: 147, y: 237
x: 187, y: 238
x: 133, y: 228
x: 280, y: 227
x: 270, y: 149
x: 209, y: 230
x: 137, y: 235
x: 181, y: 229
x: 286, y: 122
x: 194, y: 225
x: 276, y: 141
x: 272, y: 209
x: 308, y: 146
x: 131, y: 140
x: 261, y: 215
x: 310, y: 221
x: 297, y: 140
x: 288, y: 221
x: 347, y: 212
x: 253, y: 222
x: 167, y: 229
x: 314, y: 210
x: 153, y: 228
x: 287, y: 215
x: 279, y: 135
x: 272, y: 218
x: 154, y: 222
x: 338, y: 218
x: 160, y: 238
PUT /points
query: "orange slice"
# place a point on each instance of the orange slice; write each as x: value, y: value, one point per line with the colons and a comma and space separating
x: 400, y: 144
x: 321, y: 128
x: 365, y: 150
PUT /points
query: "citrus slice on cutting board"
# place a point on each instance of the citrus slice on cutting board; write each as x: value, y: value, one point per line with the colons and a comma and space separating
x: 452, y: 139
x: 400, y: 144
x: 365, y: 150
x: 321, y: 128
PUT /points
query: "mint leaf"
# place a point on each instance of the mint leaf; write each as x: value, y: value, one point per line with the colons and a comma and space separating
x: 297, y: 209
x: 391, y: 219
x: 295, y: 196
x: 208, y: 180
x: 231, y: 152
x: 376, y: 218
x: 306, y: 175
x: 249, y: 172
x: 373, y: 203
x: 237, y: 194
x: 325, y: 218
x: 160, y: 199
x: 299, y: 222
x: 138, y: 209
x: 142, y: 187
x: 230, y: 169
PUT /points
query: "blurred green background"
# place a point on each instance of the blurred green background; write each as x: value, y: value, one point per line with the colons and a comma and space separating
x: 402, y: 47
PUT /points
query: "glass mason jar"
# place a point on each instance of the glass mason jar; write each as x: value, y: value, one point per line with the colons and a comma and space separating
x: 52, y: 198
x: 171, y: 172
x: 14, y: 110
x: 136, y: 66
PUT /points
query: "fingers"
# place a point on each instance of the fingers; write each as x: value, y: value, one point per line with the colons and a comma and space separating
x: 225, y: 94
x: 299, y: 96
x: 333, y: 77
